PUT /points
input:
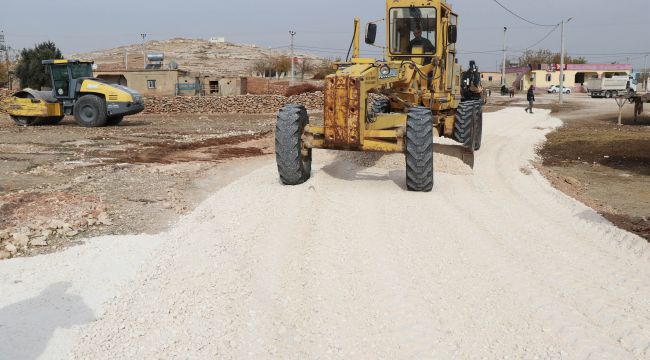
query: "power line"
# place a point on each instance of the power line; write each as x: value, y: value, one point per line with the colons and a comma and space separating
x: 521, y: 17
x: 544, y: 38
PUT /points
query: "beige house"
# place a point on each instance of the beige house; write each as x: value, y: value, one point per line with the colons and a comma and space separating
x: 543, y: 76
x: 491, y: 80
x: 173, y: 82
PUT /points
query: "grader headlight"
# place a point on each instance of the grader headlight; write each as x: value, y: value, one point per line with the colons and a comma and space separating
x: 384, y: 71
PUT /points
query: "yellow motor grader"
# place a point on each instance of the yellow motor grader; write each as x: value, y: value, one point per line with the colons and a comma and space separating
x: 393, y: 105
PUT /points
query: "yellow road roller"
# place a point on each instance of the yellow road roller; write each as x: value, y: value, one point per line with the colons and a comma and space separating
x: 93, y: 102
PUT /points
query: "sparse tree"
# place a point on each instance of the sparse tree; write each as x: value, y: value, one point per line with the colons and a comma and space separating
x: 281, y: 64
x: 325, y: 68
x: 545, y: 56
x: 3, y: 72
x: 30, y: 70
x: 307, y: 67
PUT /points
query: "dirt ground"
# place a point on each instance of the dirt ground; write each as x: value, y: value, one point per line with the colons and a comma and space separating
x: 58, y: 184
x: 594, y: 160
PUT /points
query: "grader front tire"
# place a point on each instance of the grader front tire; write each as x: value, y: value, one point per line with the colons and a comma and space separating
x: 419, y: 150
x: 292, y: 157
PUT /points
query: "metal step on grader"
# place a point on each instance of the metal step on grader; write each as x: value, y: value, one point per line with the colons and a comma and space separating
x: 393, y: 105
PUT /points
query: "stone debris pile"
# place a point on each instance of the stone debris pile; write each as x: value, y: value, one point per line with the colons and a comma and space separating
x: 244, y: 104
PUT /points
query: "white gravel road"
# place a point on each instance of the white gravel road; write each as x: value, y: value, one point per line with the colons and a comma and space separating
x: 493, y: 264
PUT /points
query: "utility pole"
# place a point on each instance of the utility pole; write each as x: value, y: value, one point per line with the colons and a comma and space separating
x: 5, y: 48
x: 144, y: 49
x: 503, y: 66
x: 293, y: 34
x: 645, y: 73
x: 562, y: 62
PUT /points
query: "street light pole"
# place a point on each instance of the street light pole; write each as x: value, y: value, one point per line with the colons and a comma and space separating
x: 562, y: 62
x: 144, y: 49
x: 293, y: 34
x: 503, y: 66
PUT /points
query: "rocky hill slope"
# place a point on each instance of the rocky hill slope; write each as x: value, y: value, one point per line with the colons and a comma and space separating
x: 197, y: 55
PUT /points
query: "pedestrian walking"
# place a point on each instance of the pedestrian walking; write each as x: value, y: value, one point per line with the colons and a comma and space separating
x: 531, y: 99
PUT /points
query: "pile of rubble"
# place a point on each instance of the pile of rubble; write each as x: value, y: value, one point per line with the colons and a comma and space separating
x: 33, y: 221
x: 244, y: 104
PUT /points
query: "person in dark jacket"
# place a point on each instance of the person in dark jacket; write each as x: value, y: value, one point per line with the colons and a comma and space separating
x: 418, y: 40
x: 531, y: 99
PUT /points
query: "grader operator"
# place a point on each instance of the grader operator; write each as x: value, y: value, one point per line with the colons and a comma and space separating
x: 392, y: 105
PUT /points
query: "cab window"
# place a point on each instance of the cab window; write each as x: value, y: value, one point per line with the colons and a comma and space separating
x: 81, y: 71
x: 60, y: 79
x: 412, y: 28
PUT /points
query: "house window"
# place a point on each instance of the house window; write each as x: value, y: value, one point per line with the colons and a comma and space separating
x: 490, y: 78
x: 151, y: 84
x: 548, y: 78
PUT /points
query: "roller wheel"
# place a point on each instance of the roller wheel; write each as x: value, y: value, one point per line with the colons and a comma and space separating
x: 54, y: 120
x: 25, y: 120
x: 292, y: 156
x: 114, y: 120
x: 90, y: 111
x: 419, y: 150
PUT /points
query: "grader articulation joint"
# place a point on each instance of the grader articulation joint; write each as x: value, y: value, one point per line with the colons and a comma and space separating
x: 395, y: 105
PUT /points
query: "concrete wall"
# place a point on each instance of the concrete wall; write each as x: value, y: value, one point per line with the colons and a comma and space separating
x: 491, y: 79
x: 265, y: 86
x: 165, y: 80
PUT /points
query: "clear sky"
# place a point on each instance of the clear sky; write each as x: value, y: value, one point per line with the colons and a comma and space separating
x: 603, y: 31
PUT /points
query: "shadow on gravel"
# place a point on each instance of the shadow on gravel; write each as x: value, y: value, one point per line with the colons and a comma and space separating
x: 27, y: 326
x: 353, y: 166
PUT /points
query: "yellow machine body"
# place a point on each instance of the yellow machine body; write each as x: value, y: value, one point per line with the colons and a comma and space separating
x: 32, y: 107
x: 402, y: 77
x: 71, y: 82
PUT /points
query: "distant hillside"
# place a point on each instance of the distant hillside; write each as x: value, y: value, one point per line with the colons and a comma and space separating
x: 196, y: 55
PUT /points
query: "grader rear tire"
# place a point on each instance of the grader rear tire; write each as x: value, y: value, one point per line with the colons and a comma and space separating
x: 292, y: 157
x: 478, y: 129
x: 419, y: 150
x: 468, y: 127
x: 376, y: 106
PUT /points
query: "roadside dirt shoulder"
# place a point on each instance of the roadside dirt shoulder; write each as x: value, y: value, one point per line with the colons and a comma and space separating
x: 61, y: 184
x: 601, y: 164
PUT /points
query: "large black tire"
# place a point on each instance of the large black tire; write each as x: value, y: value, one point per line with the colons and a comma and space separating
x: 114, y: 120
x: 377, y: 105
x: 90, y: 111
x: 478, y: 129
x: 292, y: 157
x: 467, y: 115
x: 419, y: 150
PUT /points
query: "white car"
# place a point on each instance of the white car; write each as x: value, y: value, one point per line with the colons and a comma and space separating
x: 556, y: 89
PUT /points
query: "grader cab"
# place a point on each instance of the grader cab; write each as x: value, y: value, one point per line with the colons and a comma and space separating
x: 394, y: 105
